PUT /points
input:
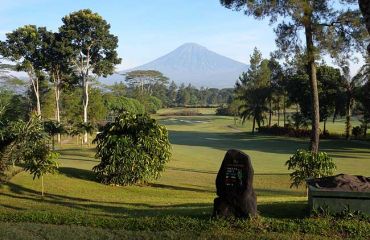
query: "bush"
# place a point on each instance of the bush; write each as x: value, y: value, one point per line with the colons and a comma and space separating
x: 152, y: 104
x: 285, y: 131
x: 307, y: 164
x: 127, y: 104
x: 132, y: 149
x: 357, y: 131
x: 224, y: 110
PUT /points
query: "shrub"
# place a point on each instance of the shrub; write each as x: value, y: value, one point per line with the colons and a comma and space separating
x: 307, y: 164
x: 357, y: 131
x: 152, y: 104
x: 127, y: 104
x: 132, y: 149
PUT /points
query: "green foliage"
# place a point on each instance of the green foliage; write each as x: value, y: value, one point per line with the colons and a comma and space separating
x: 87, y: 32
x: 357, y: 131
x: 132, y: 149
x: 307, y: 164
x: 40, y: 160
x: 120, y: 104
x: 29, y: 147
x: 152, y: 104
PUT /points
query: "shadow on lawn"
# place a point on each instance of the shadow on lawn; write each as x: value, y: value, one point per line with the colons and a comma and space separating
x: 264, y: 143
x: 78, y: 173
x: 122, y: 209
x: 237, y: 140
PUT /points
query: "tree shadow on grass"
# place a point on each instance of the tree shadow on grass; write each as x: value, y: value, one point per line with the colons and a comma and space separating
x: 262, y: 143
x: 290, y: 210
x: 125, y: 209
x: 78, y: 173
x: 179, y: 188
x: 237, y: 140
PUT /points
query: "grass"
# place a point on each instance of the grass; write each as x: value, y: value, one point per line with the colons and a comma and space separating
x: 76, y: 203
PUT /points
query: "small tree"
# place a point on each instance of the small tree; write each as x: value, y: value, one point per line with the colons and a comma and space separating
x: 29, y: 146
x: 132, y: 149
x: 306, y: 164
x: 53, y: 128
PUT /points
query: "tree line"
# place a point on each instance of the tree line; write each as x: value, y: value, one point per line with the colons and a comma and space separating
x: 269, y: 87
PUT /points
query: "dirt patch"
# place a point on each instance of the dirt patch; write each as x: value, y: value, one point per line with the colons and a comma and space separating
x: 342, y: 183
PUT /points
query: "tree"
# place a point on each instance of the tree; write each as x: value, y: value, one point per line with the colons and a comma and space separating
x: 351, y: 86
x: 145, y: 80
x: 365, y: 9
x: 53, y: 128
x: 132, y: 149
x: 337, y: 31
x: 24, y: 46
x: 330, y: 89
x: 93, y: 49
x: 55, y: 61
x: 29, y: 147
x: 253, y: 90
x: 254, y: 105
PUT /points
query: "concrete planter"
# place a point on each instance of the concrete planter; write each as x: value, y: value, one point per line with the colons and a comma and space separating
x: 337, y: 201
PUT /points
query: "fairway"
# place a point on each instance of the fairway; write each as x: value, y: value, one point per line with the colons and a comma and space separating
x: 187, y: 187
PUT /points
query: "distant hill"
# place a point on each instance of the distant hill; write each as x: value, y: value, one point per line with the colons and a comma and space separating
x: 195, y: 64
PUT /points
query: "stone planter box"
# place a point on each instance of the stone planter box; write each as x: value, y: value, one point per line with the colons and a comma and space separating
x: 337, y: 201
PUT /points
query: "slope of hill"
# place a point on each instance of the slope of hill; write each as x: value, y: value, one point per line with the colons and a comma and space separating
x: 195, y: 64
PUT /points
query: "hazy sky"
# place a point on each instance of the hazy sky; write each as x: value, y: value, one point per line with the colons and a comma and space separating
x: 148, y: 29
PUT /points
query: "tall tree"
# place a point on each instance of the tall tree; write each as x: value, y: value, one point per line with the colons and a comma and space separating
x: 93, y: 49
x: 365, y: 9
x: 351, y: 86
x: 145, y: 81
x: 23, y: 46
x: 56, y: 57
x: 327, y: 28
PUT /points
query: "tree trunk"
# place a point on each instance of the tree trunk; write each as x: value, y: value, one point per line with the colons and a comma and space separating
x: 284, y: 110
x: 278, y: 115
x: 85, y: 104
x: 324, y: 126
x: 42, y: 186
x: 254, y: 124
x: 348, y: 120
x: 365, y: 130
x: 57, y: 108
x: 315, y: 132
x: 270, y: 114
x: 365, y: 9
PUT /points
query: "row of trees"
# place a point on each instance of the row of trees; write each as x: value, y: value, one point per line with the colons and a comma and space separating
x: 81, y: 50
x: 269, y: 87
x: 328, y: 29
x: 142, y: 84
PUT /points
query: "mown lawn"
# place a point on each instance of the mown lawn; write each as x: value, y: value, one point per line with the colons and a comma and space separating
x: 183, y: 195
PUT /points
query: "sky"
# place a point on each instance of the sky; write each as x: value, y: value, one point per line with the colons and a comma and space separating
x: 148, y: 29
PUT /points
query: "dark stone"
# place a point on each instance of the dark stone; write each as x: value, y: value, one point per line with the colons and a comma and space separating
x: 234, y: 183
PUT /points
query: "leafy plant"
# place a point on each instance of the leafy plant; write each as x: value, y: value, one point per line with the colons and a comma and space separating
x: 357, y: 131
x: 53, y: 128
x: 307, y: 164
x: 132, y: 149
x: 29, y: 147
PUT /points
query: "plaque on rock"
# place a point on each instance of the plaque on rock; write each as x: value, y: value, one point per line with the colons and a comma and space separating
x: 234, y: 184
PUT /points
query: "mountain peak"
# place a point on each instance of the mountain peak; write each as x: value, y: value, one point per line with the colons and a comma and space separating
x: 195, y: 64
x: 191, y: 45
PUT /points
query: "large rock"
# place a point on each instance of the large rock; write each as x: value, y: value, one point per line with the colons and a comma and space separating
x: 234, y: 183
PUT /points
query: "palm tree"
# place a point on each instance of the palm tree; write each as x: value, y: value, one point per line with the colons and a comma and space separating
x: 254, y: 105
x: 351, y: 86
x: 53, y: 128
